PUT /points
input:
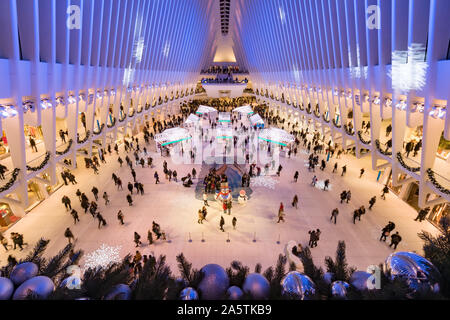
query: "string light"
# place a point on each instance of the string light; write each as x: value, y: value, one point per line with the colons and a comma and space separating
x: 103, y: 257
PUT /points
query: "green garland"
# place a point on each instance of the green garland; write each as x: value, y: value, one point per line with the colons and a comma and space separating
x: 362, y: 139
x: 404, y: 165
x: 11, y: 181
x: 101, y: 129
x: 88, y: 133
x: 60, y: 153
x: 377, y: 144
x: 42, y: 165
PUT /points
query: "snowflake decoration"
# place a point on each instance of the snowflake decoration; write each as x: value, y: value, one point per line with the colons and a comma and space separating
x: 102, y: 257
x: 263, y: 181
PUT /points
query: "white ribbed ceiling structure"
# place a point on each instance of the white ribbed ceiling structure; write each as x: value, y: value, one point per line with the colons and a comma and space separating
x: 125, y: 60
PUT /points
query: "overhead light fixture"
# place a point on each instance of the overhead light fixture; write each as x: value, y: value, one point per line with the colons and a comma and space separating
x: 401, y: 105
x: 72, y: 100
x: 7, y: 111
x: 388, y: 102
x: 46, y: 104
x: 376, y: 100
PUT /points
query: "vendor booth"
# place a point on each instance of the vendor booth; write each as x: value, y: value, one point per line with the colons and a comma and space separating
x: 244, y: 112
x: 224, y: 134
x: 206, y: 112
x: 279, y: 137
x: 257, y: 121
x: 192, y: 121
x: 225, y: 119
x: 174, y: 138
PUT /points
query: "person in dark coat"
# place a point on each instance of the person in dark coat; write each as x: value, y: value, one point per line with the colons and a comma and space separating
x: 334, y: 214
x: 395, y: 240
x: 222, y: 223
x: 69, y: 235
x: 295, y: 176
x: 120, y: 217
x: 95, y: 192
x: 130, y: 200
x: 372, y: 202
x: 74, y: 214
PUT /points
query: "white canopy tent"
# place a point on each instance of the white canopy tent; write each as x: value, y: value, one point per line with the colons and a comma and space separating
x: 256, y: 120
x: 277, y: 136
x: 245, y: 110
x: 171, y: 136
x: 225, y: 118
x: 192, y: 119
x: 205, y: 110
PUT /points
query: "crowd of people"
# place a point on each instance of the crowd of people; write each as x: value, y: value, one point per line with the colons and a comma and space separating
x: 136, y: 154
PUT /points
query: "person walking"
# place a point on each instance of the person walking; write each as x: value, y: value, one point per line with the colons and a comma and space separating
x: 314, y: 181
x: 222, y: 223
x: 137, y: 239
x: 100, y: 219
x: 296, y: 176
x: 130, y: 200
x: 385, y: 233
x: 335, y: 167
x: 361, y: 173
x: 4, y: 241
x: 194, y: 173
x: 356, y: 215
x: 344, y: 170
x: 150, y: 237
x: 233, y: 222
x: 316, y: 238
x: 33, y: 144
x: 78, y: 193
x: 348, y: 195
x: 372, y: 202
x: 295, y: 202
x: 312, y: 236
x: 120, y: 161
x: 106, y: 197
x: 74, y: 214
x: 334, y: 214
x: 69, y: 235
x: 395, y: 240
x: 156, y: 177
x: 95, y: 192
x: 280, y: 167
x: 66, y: 201
x: 326, y: 183
x: 119, y: 184
x: 205, y: 198
x: 201, y: 217
x: 229, y: 206
x: 421, y: 215
x: 120, y: 217
x: 384, y: 191
x: 130, y: 187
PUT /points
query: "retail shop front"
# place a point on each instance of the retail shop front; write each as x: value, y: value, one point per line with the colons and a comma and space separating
x: 439, y: 212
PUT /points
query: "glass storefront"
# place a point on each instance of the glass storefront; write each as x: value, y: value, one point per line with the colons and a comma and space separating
x: 397, y: 189
x: 439, y: 212
x: 7, y: 218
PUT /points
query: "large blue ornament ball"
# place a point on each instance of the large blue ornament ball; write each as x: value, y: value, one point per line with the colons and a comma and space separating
x: 120, y: 292
x: 234, y: 293
x: 6, y: 288
x: 298, y: 285
x: 339, y: 289
x: 23, y: 271
x: 418, y: 271
x: 328, y: 277
x: 188, y: 294
x: 359, y: 280
x: 256, y: 286
x: 214, y: 282
x: 40, y: 287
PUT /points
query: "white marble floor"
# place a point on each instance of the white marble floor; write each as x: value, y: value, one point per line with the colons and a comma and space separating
x: 175, y: 208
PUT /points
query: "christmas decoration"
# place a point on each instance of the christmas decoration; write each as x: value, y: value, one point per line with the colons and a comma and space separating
x: 66, y: 150
x: 88, y: 133
x: 42, y: 165
x: 11, y: 181
x: 263, y: 181
x: 101, y: 129
x: 102, y: 257
x: 404, y: 165
x: 436, y: 184
x: 377, y: 144
x: 362, y: 139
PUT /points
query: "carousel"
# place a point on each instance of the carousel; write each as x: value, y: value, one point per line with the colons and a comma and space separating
x: 174, y: 139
